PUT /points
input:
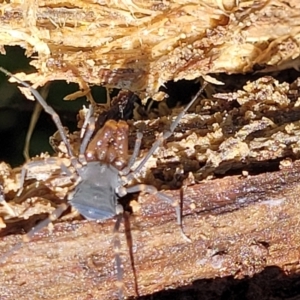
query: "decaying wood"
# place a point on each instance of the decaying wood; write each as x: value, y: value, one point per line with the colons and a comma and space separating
x: 253, y: 129
x: 237, y: 226
x: 140, y: 45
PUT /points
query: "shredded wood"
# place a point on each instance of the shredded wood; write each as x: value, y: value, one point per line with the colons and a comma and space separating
x: 140, y: 45
x: 252, y: 128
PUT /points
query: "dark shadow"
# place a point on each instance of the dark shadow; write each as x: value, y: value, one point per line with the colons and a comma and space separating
x: 272, y: 283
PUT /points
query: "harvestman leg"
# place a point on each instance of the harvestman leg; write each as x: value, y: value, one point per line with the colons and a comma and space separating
x: 163, y: 136
x: 87, y: 120
x: 34, y: 118
x: 48, y: 109
x: 62, y: 207
x: 50, y: 161
x: 88, y: 132
x: 134, y: 155
x: 148, y: 188
x: 27, y: 237
x: 117, y: 249
x: 110, y: 144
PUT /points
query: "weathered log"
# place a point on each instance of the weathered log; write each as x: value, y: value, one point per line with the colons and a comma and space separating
x: 140, y: 45
x: 237, y: 226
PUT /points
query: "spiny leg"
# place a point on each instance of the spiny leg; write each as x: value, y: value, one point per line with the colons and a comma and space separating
x: 117, y: 249
x: 90, y: 124
x: 88, y: 134
x: 43, y: 166
x: 34, y: 118
x: 48, y: 109
x: 89, y: 115
x: 150, y: 189
x: 163, y: 136
x: 27, y: 237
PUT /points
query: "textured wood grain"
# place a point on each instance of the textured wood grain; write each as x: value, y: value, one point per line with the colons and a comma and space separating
x: 237, y: 225
x: 140, y: 45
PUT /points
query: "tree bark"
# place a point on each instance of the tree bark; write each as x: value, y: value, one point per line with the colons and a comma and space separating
x: 237, y: 226
x: 140, y: 45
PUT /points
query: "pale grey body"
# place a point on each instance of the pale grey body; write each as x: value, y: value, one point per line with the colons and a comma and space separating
x: 95, y: 196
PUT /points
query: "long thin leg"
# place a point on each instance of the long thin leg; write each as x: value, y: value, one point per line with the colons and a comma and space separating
x: 89, y: 131
x: 150, y: 189
x: 86, y: 122
x: 129, y: 240
x: 164, y: 136
x: 117, y: 249
x: 48, y: 109
x: 26, y: 238
x: 34, y: 118
x: 87, y: 136
x: 48, y: 164
x: 134, y: 155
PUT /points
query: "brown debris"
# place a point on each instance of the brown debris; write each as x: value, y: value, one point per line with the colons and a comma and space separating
x: 253, y: 128
x: 238, y: 226
x: 140, y: 45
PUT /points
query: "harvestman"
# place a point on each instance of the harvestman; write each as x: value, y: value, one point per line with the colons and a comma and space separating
x: 102, y: 172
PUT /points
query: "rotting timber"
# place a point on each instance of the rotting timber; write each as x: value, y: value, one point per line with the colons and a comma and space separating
x: 238, y: 224
x: 140, y: 45
x: 238, y: 227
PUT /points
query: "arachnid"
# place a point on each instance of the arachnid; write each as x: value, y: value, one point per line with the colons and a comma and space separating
x: 103, y: 171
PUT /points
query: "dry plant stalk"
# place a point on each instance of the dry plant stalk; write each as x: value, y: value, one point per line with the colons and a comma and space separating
x: 140, y: 45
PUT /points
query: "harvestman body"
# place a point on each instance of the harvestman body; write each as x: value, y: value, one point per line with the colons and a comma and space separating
x: 103, y: 172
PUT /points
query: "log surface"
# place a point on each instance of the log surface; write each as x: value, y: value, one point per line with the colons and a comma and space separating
x: 237, y: 226
x: 140, y: 45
